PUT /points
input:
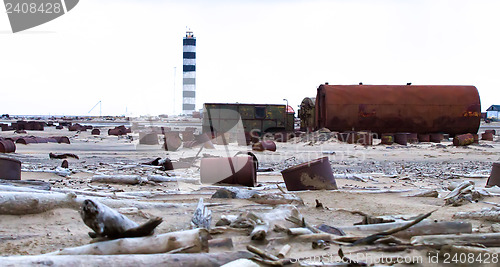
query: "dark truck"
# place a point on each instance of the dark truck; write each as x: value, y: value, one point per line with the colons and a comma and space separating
x: 257, y: 119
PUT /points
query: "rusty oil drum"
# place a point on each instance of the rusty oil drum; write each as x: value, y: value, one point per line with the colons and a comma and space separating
x: 7, y: 146
x: 401, y: 138
x: 436, y: 137
x: 412, y: 138
x: 424, y: 138
x: 313, y: 175
x: 387, y: 139
x: 10, y: 169
x: 463, y: 140
x: 487, y: 136
x: 264, y: 145
x: 239, y: 170
x: 494, y: 178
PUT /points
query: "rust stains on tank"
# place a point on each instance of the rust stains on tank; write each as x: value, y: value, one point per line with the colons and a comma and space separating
x: 398, y: 108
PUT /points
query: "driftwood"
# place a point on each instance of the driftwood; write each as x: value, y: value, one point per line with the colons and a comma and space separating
x: 20, y: 203
x: 171, y: 260
x: 33, y: 184
x: 62, y: 156
x: 426, y: 227
x: 284, y: 251
x: 196, y: 240
x: 437, y: 241
x: 259, y: 232
x: 462, y: 194
x: 427, y: 193
x: 221, y: 243
x: 162, y: 179
x: 241, y: 263
x: 488, y: 215
x: 372, y: 238
x: 299, y: 231
x: 118, y: 179
x: 109, y: 223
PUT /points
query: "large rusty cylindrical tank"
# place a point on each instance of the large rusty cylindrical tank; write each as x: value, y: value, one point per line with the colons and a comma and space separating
x: 399, y: 108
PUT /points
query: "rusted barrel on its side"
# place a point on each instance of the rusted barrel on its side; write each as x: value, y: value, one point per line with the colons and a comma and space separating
x: 62, y: 139
x: 10, y: 169
x: 26, y: 140
x: 364, y: 138
x: 7, y: 146
x: 436, y: 137
x: 487, y: 136
x: 264, y: 145
x: 401, y: 138
x: 463, y: 140
x: 494, y: 132
x: 387, y: 139
x: 95, y: 132
x: 494, y: 178
x: 313, y: 175
x: 424, y: 138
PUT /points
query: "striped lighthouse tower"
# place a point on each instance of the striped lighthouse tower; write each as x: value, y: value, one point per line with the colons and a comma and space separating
x: 189, y: 74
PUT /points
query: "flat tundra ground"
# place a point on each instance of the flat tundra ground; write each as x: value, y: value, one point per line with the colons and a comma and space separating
x: 374, y: 180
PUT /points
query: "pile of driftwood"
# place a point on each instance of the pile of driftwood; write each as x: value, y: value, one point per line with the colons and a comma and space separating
x: 276, y: 234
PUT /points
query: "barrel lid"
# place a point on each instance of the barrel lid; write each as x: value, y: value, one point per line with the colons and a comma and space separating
x: 10, y: 159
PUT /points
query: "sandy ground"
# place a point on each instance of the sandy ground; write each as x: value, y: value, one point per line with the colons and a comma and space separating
x: 412, y: 168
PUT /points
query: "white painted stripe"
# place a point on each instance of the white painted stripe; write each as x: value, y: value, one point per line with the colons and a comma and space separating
x: 188, y: 61
x: 63, y: 3
x: 188, y: 87
x: 188, y: 48
x: 189, y: 74
x: 189, y: 100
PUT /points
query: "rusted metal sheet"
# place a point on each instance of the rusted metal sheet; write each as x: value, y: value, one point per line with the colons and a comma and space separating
x: 172, y: 141
x: 487, y: 136
x: 263, y: 145
x: 229, y: 170
x: 398, y: 108
x: 313, y: 175
x: 463, y: 140
x: 494, y: 178
x: 10, y: 169
x: 7, y: 146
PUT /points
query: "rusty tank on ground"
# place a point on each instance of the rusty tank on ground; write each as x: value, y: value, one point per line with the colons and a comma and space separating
x: 398, y: 108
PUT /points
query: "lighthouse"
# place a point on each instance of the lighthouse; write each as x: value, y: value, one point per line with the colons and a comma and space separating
x: 188, y: 73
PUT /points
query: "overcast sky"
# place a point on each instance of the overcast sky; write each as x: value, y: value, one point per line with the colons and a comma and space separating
x: 125, y: 53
